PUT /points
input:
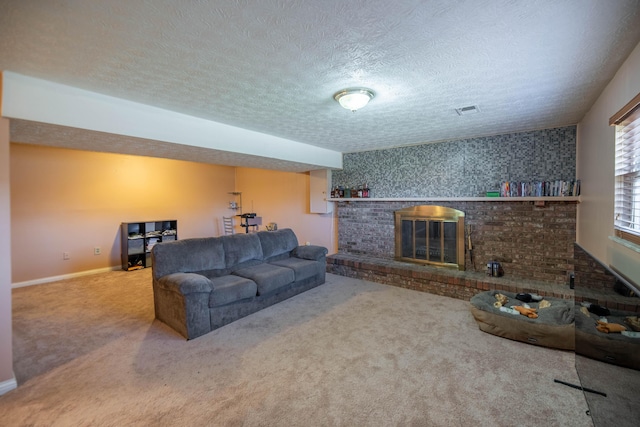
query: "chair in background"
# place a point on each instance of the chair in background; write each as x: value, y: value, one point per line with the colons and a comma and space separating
x: 228, y: 224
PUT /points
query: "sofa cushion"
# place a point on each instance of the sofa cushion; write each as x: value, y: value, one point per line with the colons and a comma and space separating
x: 268, y: 277
x: 212, y: 274
x: 311, y: 252
x: 185, y: 283
x: 302, y: 268
x: 228, y: 289
x: 188, y: 256
x: 277, y: 244
x: 241, y: 248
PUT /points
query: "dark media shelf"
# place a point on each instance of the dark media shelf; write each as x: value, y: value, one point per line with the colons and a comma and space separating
x: 138, y: 238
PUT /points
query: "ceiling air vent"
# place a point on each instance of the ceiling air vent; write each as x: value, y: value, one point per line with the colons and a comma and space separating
x: 472, y: 109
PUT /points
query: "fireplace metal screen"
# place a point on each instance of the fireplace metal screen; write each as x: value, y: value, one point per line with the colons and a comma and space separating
x: 430, y: 235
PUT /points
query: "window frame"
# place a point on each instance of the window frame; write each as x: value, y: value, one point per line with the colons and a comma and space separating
x: 621, y: 118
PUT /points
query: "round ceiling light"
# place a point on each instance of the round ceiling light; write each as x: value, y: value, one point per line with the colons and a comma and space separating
x: 354, y: 99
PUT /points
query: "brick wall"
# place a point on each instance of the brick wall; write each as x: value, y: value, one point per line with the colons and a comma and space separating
x: 590, y: 274
x: 595, y: 283
x: 534, y: 243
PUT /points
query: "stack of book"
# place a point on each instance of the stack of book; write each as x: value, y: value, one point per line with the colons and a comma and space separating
x: 558, y: 188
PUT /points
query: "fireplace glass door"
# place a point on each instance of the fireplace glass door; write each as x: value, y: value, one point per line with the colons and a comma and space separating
x: 434, y: 238
x: 450, y: 240
x: 429, y: 240
x: 424, y: 239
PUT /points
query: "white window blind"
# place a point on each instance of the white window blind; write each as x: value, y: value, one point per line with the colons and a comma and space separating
x: 627, y: 172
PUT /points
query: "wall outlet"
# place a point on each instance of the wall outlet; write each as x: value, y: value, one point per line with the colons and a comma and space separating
x: 66, y: 256
x: 97, y: 250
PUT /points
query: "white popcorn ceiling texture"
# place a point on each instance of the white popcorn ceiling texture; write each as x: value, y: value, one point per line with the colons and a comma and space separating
x: 273, y: 66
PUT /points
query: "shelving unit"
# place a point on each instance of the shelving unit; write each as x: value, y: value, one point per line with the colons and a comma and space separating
x: 137, y: 239
x: 236, y: 204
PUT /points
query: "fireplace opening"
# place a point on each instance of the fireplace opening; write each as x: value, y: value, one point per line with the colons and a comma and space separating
x: 430, y: 235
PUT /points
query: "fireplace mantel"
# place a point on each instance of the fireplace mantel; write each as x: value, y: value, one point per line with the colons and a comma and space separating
x: 457, y: 199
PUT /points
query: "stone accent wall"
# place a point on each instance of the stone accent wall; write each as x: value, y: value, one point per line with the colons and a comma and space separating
x: 467, y: 167
x: 531, y: 242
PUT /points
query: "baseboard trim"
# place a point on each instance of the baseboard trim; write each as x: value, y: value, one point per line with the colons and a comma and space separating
x: 8, y: 385
x: 64, y: 276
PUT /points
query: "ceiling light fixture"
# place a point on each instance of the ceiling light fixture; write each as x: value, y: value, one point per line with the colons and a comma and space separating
x: 354, y: 99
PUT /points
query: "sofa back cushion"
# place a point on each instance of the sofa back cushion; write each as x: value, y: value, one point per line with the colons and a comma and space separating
x: 242, y: 250
x: 188, y: 256
x: 277, y: 244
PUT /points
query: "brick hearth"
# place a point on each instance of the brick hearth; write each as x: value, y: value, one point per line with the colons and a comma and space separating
x: 435, y: 280
x: 465, y: 284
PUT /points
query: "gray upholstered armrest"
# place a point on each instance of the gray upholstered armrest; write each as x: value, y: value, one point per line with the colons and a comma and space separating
x: 185, y: 283
x: 311, y: 252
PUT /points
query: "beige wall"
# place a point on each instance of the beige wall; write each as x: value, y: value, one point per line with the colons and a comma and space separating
x: 6, y: 356
x: 595, y: 166
x: 283, y: 198
x: 72, y: 201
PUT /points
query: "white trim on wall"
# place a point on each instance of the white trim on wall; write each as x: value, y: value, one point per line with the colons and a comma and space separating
x: 8, y: 385
x: 64, y: 276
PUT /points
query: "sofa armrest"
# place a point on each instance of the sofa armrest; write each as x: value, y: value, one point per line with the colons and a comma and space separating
x: 185, y: 283
x: 311, y: 252
x: 181, y: 300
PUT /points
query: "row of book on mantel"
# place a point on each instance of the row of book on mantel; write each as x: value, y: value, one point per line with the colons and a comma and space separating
x: 558, y: 188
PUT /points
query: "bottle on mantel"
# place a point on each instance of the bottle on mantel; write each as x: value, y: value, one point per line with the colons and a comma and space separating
x: 365, y: 190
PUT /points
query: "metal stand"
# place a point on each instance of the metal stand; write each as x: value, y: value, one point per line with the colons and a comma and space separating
x: 246, y: 224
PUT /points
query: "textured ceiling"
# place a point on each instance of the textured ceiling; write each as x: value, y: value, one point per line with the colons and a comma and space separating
x: 272, y: 66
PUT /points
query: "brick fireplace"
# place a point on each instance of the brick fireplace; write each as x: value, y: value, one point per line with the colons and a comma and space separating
x: 530, y: 242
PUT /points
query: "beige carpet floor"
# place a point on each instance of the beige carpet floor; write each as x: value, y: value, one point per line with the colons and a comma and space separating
x: 621, y: 406
x: 88, y: 352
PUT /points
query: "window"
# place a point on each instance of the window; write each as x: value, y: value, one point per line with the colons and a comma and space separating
x: 627, y: 190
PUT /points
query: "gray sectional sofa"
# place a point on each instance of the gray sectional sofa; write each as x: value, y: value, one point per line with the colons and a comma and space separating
x: 202, y: 284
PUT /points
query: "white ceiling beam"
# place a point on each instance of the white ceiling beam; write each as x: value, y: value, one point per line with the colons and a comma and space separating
x: 28, y: 98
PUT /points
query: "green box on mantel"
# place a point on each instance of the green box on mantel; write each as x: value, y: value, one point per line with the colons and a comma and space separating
x: 493, y: 194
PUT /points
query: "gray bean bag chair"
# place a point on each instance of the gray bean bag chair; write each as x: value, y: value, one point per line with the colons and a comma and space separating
x: 553, y: 328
